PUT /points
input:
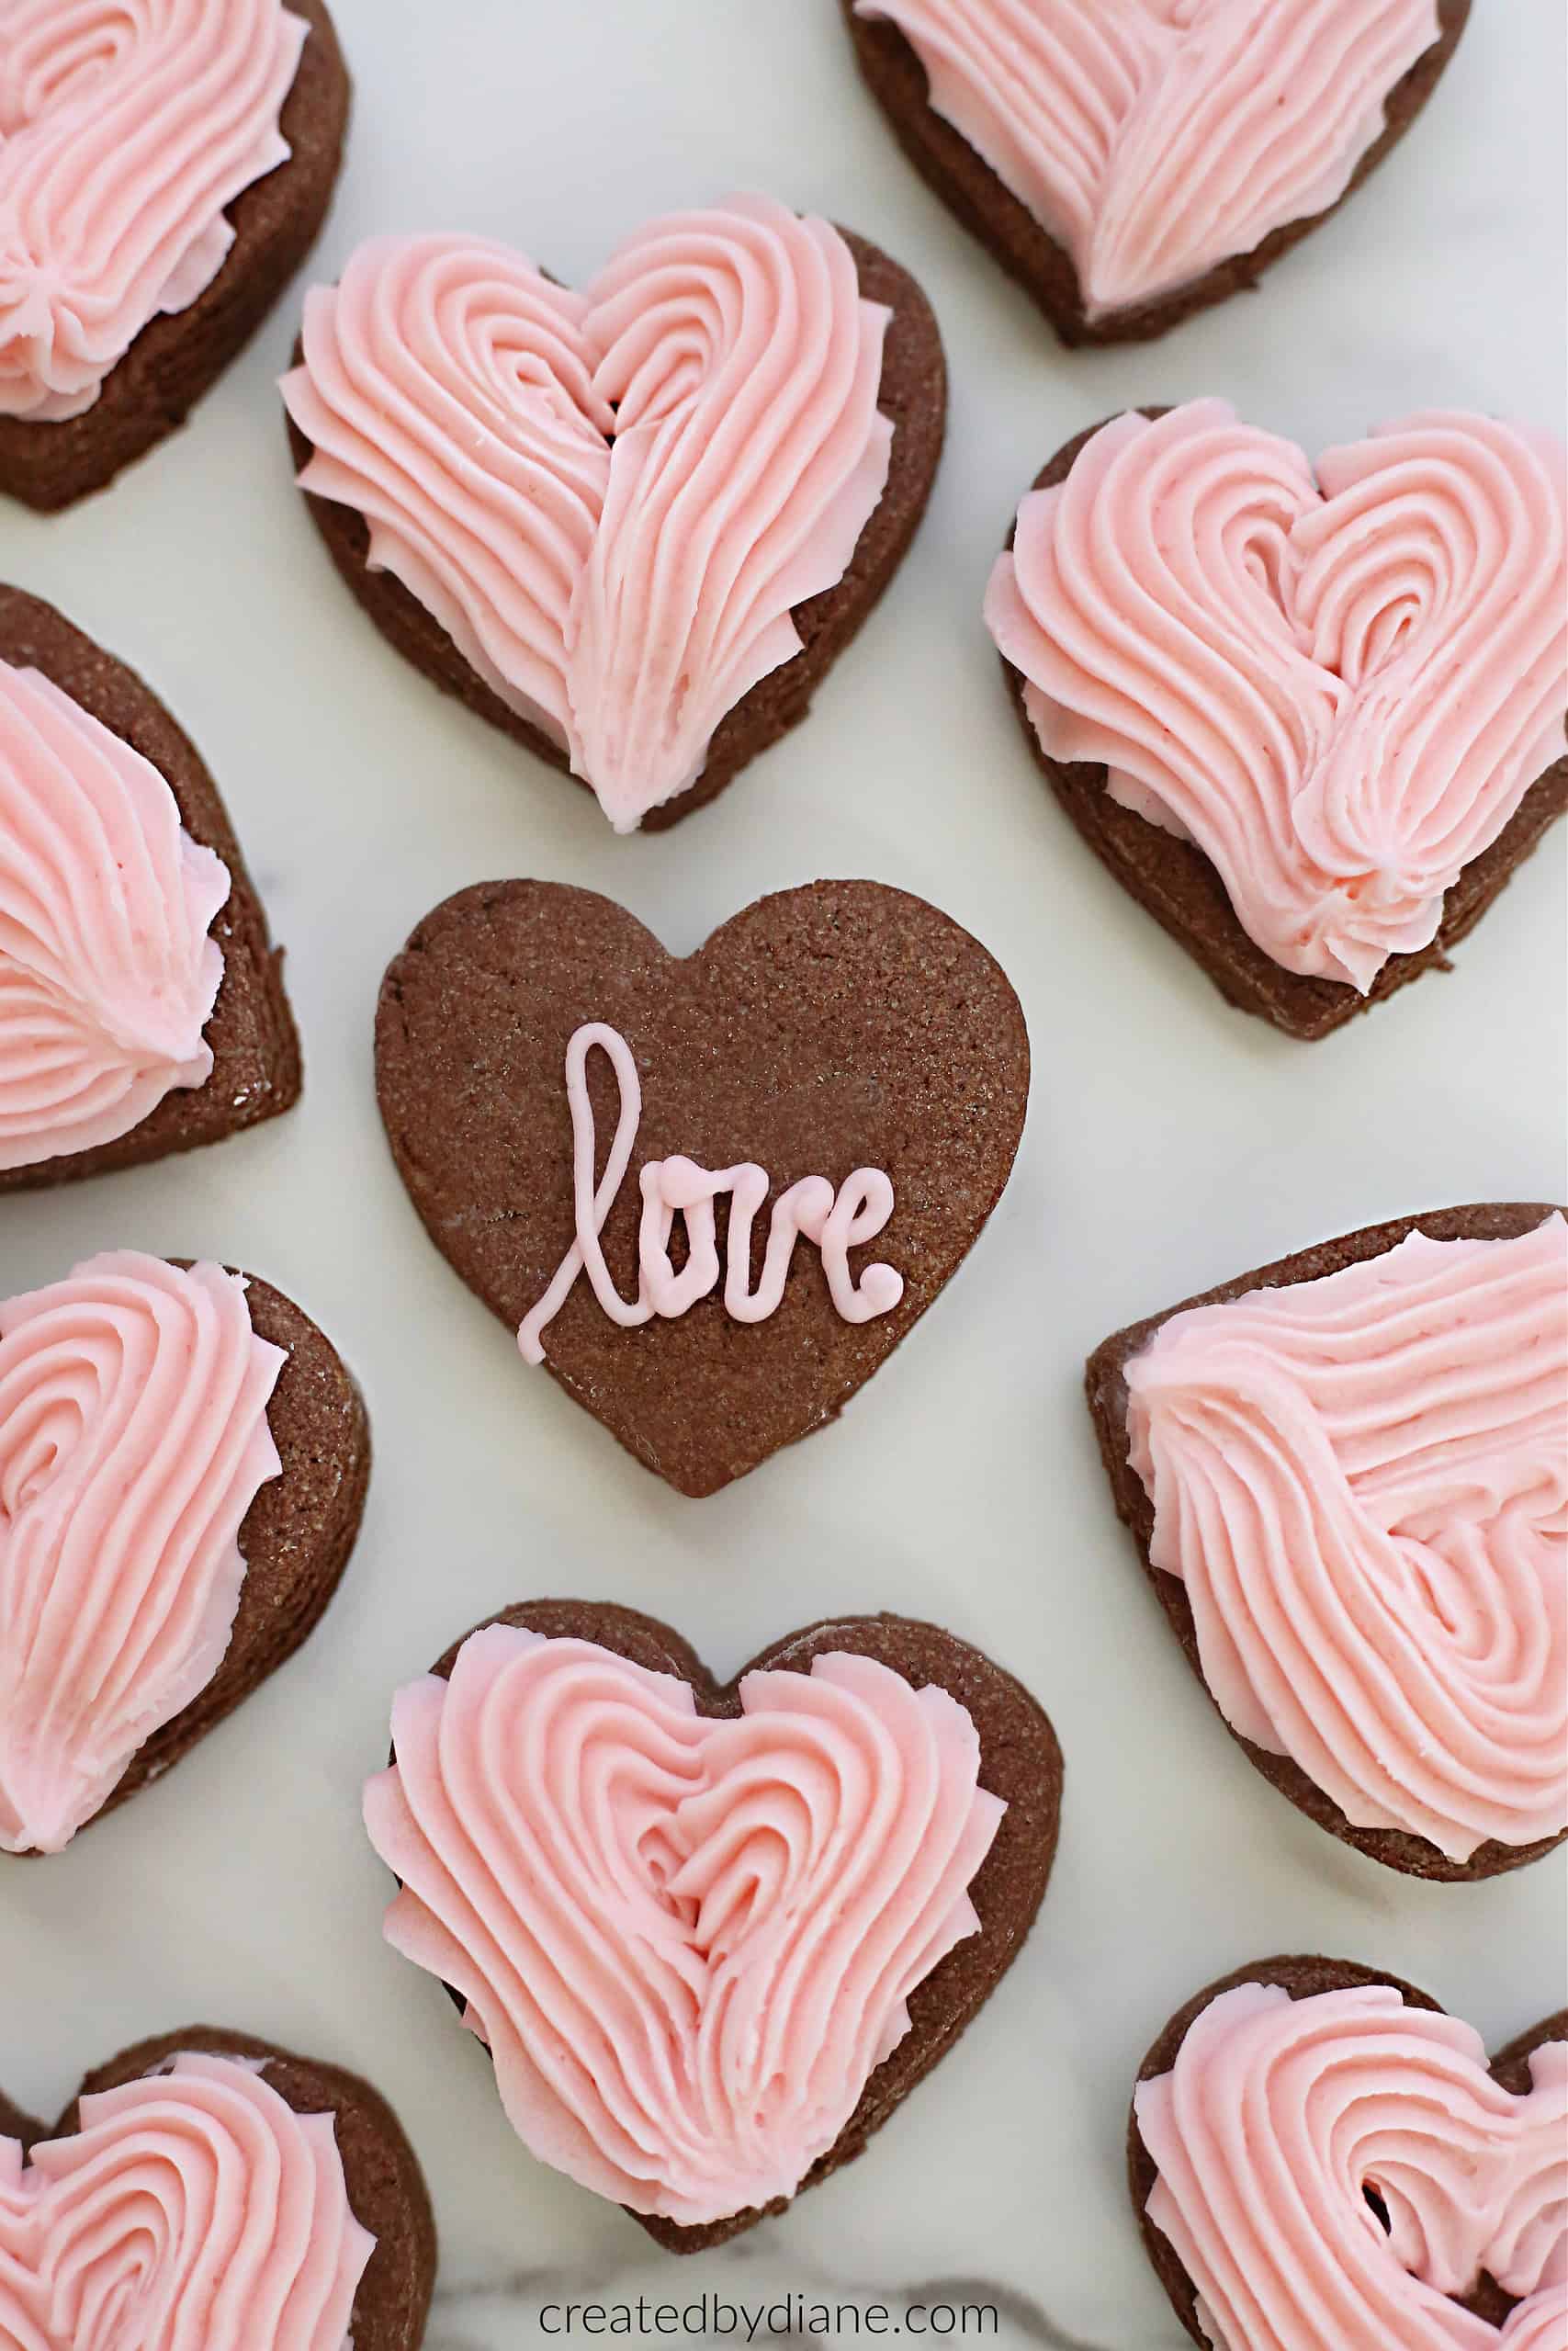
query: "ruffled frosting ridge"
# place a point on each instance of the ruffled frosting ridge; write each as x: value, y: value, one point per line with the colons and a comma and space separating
x: 686, y: 1941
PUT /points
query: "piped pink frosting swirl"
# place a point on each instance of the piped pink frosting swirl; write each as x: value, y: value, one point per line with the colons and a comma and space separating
x: 687, y: 1942
x: 1363, y: 1482
x: 1340, y: 689
x: 1279, y: 2114
x: 612, y: 501
x: 1154, y: 139
x: 193, y: 2210
x: 133, y: 1439
x: 126, y: 126
x: 107, y: 976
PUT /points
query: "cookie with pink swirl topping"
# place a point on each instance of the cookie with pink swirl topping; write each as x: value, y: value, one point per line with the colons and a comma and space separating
x: 632, y: 526
x: 1347, y: 1475
x: 1312, y: 719
x: 141, y: 1003
x: 164, y: 168
x: 184, y: 1434
x: 1130, y: 162
x: 209, y: 2188
x: 712, y: 1934
x: 1293, y: 2185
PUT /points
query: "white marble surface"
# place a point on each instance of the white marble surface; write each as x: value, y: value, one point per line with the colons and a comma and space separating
x: 1170, y: 1142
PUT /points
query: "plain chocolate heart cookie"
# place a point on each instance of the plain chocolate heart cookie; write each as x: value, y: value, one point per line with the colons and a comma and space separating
x: 844, y: 1047
x: 1124, y: 121
x: 256, y: 1068
x: 1198, y: 1425
x: 1018, y: 1762
x: 155, y: 2242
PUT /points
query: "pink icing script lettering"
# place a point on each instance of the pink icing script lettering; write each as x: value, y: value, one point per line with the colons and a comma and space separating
x: 834, y: 1222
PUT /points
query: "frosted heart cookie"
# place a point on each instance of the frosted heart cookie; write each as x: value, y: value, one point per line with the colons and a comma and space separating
x: 1132, y: 161
x: 712, y: 1934
x: 709, y: 1194
x: 182, y: 1465
x: 633, y: 526
x: 141, y: 1003
x: 1347, y: 1475
x: 1311, y: 718
x: 164, y: 167
x: 1318, y: 2155
x: 206, y: 2189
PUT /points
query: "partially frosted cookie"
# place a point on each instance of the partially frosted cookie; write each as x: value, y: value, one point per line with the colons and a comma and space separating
x: 710, y: 1933
x: 633, y: 526
x: 1318, y: 2155
x: 1347, y: 1475
x: 1132, y: 160
x: 184, y: 1459
x: 1309, y: 716
x: 141, y: 1003
x: 209, y: 2189
x: 164, y: 167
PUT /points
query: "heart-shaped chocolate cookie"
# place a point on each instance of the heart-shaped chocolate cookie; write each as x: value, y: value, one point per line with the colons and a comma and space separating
x: 162, y: 175
x: 214, y: 1457
x: 209, y: 2188
x: 93, y: 952
x: 843, y: 1046
x: 1130, y: 162
x: 766, y: 1907
x: 633, y: 527
x: 1343, y: 1485
x: 1339, y: 2195
x: 1313, y: 720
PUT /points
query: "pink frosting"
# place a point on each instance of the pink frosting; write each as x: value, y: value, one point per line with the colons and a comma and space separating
x: 107, y: 976
x: 193, y: 2210
x: 835, y: 1221
x: 126, y: 126
x: 687, y: 1942
x: 1154, y: 139
x: 612, y: 501
x: 133, y: 1439
x: 1277, y: 2117
x: 1340, y: 689
x: 1363, y: 1482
